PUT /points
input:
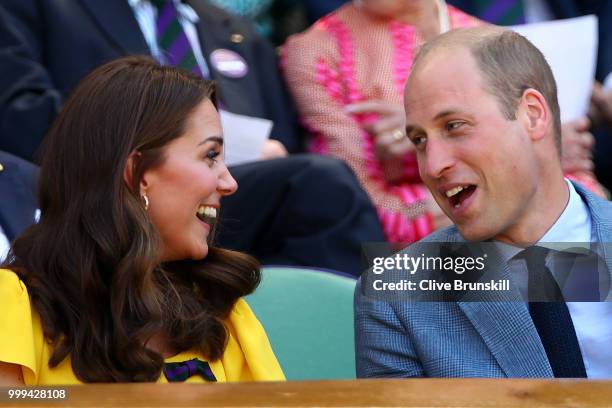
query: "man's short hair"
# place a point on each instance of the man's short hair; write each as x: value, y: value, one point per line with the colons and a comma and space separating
x: 510, y: 64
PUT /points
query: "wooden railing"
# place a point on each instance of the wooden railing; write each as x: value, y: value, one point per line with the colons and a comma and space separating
x: 357, y: 393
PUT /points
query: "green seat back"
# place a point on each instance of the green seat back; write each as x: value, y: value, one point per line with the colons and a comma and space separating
x: 308, y: 316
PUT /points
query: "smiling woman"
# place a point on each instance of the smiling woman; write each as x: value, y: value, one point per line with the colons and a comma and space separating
x: 120, y: 280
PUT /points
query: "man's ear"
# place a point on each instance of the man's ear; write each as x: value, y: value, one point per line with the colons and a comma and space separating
x: 535, y: 114
x: 129, y: 170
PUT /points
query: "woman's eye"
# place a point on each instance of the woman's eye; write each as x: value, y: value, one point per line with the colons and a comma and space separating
x: 212, y: 155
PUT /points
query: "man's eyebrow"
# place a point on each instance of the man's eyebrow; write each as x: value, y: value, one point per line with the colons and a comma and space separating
x: 439, y: 115
x: 446, y: 112
x: 411, y: 128
x: 217, y: 139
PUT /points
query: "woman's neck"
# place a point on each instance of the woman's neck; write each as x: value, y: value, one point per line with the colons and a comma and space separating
x: 424, y: 15
x: 417, y: 11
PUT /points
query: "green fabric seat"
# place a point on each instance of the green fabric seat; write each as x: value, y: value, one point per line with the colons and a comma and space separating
x: 308, y: 316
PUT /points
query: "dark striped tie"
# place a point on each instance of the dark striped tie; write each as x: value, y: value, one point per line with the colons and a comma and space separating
x: 172, y: 39
x: 500, y: 12
x: 551, y: 317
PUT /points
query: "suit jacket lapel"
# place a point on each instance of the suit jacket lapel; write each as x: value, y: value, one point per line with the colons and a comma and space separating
x: 504, y: 323
x: 215, y: 30
x: 117, y: 21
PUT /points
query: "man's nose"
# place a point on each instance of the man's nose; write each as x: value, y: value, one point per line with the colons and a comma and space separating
x: 438, y: 158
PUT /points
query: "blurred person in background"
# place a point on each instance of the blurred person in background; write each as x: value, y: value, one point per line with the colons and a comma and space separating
x: 121, y: 281
x: 274, y: 19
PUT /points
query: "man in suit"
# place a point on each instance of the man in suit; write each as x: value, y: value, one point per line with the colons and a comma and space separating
x: 47, y: 47
x: 18, y: 208
x: 487, y: 133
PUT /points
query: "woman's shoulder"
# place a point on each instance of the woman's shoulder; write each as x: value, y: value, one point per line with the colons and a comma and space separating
x: 21, y: 332
x: 242, y: 313
x: 11, y: 287
x: 249, y: 341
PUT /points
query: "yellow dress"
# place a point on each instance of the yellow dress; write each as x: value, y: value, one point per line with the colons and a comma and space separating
x: 248, y: 356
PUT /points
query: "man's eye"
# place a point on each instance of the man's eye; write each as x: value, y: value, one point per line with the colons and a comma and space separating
x: 454, y: 125
x: 418, y: 140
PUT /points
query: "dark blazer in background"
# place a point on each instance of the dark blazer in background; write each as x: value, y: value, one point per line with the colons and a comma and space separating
x: 48, y: 46
x: 18, y: 181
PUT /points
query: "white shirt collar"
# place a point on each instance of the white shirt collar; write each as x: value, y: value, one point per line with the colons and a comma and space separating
x: 184, y: 10
x: 572, y: 226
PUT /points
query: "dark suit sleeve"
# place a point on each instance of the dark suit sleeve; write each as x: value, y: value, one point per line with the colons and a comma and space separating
x: 28, y: 100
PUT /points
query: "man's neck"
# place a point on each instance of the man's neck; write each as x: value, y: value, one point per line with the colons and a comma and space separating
x: 547, y: 205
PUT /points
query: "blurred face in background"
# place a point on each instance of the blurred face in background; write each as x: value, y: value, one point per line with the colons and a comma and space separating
x: 390, y: 9
x: 185, y: 190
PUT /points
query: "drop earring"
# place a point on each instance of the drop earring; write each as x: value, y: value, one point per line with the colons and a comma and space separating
x: 146, y: 201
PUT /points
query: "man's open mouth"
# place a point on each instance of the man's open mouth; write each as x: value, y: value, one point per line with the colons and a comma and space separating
x: 457, y: 195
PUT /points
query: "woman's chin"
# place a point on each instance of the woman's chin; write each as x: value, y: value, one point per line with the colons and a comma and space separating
x: 201, y: 253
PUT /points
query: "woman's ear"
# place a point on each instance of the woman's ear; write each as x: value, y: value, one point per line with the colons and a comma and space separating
x: 130, y: 167
x: 536, y: 114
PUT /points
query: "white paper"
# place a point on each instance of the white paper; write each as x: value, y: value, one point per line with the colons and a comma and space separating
x: 244, y: 137
x: 570, y: 47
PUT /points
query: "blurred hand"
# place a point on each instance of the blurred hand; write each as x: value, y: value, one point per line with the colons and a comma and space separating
x: 577, y: 146
x: 273, y: 149
x: 600, y: 110
x: 390, y: 142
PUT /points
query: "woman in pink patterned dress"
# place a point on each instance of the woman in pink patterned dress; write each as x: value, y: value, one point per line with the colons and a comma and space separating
x: 347, y: 74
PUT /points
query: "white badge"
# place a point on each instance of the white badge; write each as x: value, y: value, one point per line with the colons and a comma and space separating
x: 229, y: 63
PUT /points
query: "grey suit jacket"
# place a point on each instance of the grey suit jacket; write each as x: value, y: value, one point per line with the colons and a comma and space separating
x: 458, y: 339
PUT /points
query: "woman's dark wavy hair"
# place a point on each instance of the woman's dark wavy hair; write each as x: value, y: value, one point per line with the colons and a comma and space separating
x: 90, y: 263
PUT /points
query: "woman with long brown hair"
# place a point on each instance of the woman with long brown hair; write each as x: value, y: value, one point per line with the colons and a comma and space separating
x: 120, y: 280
